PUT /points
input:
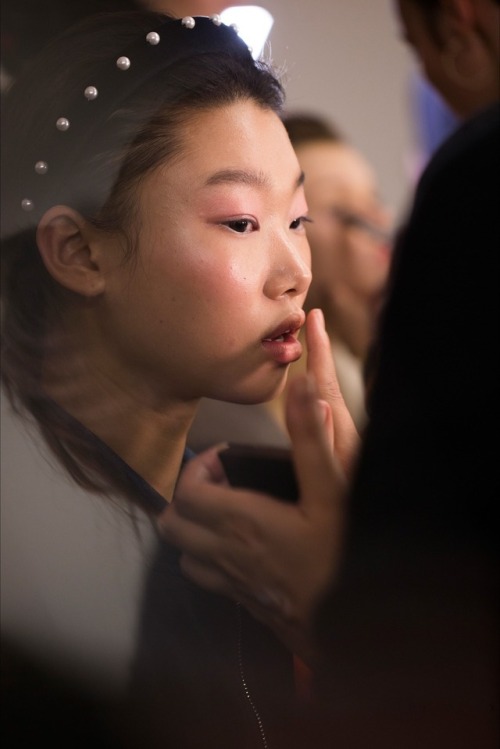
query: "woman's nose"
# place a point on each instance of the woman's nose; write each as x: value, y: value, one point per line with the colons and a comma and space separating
x: 290, y: 269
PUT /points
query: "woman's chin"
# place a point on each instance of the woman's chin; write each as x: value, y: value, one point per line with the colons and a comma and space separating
x: 258, y: 393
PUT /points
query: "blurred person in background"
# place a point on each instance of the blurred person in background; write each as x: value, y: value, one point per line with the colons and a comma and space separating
x: 350, y: 240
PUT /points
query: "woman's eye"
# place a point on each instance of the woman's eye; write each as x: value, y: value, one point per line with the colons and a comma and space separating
x: 300, y: 221
x: 241, y: 225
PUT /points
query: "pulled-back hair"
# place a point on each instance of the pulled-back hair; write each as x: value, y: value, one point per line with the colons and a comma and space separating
x: 303, y: 127
x: 98, y: 177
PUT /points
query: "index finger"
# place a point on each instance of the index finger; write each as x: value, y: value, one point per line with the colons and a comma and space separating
x: 320, y: 478
x: 320, y: 361
x: 321, y: 365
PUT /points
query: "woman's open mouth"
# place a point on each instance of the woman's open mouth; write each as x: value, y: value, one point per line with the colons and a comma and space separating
x: 283, y: 344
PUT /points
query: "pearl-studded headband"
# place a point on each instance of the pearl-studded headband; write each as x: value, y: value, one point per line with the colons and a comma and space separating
x: 89, y: 114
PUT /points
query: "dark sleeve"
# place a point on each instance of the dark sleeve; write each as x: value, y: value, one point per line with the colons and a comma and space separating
x: 410, y: 632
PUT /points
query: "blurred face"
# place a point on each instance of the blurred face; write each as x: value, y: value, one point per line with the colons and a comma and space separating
x: 349, y: 246
x: 417, y: 33
x: 459, y: 52
x: 214, y: 303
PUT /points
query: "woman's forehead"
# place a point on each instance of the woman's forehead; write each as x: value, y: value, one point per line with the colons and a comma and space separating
x: 237, y: 143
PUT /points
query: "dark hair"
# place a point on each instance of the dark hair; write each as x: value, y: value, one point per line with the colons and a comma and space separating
x: 430, y: 9
x: 146, y: 130
x: 27, y: 25
x: 434, y: 4
x: 307, y: 128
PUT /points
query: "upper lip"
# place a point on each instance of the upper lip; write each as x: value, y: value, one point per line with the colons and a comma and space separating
x: 290, y: 324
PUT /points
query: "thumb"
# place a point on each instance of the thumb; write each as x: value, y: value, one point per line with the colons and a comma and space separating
x: 319, y: 476
x: 205, y: 467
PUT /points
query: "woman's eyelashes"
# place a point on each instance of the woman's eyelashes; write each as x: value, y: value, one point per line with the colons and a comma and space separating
x: 300, y: 221
x: 247, y: 225
x: 241, y: 225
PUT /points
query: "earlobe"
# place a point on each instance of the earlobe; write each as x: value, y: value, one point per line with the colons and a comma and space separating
x: 64, y: 240
x: 465, y: 62
x: 465, y: 57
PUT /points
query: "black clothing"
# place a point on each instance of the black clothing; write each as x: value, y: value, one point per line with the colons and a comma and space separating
x: 206, y: 673
x: 411, y: 628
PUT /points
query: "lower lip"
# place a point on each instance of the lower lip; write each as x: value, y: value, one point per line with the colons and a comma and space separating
x: 284, y: 352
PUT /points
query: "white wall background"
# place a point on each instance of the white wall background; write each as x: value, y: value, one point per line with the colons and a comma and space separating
x: 70, y: 568
x: 345, y: 59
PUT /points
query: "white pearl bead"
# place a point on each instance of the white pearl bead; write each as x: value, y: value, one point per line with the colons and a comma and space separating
x: 216, y: 19
x: 123, y: 63
x: 41, y: 167
x: 27, y: 204
x: 188, y: 22
x: 91, y: 93
x: 153, y: 38
x: 234, y: 26
x: 62, y: 123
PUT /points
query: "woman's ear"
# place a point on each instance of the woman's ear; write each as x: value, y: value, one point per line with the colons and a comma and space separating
x: 64, y: 240
x: 466, y: 53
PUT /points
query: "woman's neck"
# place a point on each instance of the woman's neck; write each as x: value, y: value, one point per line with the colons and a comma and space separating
x: 149, y: 437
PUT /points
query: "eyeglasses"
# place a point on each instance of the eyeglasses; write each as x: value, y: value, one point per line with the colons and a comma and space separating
x: 354, y: 220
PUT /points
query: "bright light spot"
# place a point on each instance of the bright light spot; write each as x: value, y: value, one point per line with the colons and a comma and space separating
x: 254, y: 24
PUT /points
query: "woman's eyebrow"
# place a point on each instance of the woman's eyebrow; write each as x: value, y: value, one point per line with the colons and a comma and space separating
x: 242, y: 176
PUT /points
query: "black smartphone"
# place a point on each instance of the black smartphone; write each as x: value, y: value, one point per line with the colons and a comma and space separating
x: 265, y: 469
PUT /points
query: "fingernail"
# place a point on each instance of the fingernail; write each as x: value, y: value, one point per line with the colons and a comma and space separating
x: 319, y: 314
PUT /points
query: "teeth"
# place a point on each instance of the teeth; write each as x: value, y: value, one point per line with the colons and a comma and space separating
x: 279, y: 338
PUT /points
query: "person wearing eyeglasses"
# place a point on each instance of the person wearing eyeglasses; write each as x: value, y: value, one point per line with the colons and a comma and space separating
x: 350, y: 239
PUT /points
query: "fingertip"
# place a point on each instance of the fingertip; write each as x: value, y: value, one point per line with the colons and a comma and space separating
x: 316, y: 321
x: 317, y: 315
x: 205, y: 466
x: 317, y: 339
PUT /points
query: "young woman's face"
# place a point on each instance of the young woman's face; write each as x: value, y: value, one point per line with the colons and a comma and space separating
x: 349, y: 233
x: 214, y: 303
